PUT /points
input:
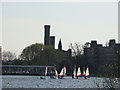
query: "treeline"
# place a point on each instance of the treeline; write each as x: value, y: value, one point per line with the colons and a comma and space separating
x: 38, y: 54
x: 112, y: 69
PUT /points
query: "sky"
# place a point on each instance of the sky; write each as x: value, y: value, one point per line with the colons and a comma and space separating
x: 23, y: 23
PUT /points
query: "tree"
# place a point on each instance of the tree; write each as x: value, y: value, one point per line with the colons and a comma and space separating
x: 77, y: 49
x: 118, y: 62
x: 111, y: 69
x: 32, y: 52
x: 78, y: 55
x: 38, y: 54
x: 8, y: 55
x: 111, y: 72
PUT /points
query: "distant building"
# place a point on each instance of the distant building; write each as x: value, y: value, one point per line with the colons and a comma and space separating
x: 99, y: 55
x: 68, y: 52
x: 50, y: 40
x: 60, y: 45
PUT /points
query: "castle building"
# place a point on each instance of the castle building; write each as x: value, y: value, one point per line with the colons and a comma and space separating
x: 47, y: 34
x: 50, y: 40
x: 60, y: 45
x: 68, y: 52
x: 101, y: 55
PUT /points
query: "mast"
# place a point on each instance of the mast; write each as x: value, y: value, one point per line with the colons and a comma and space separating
x: 74, y: 72
x: 46, y: 69
x: 56, y: 73
x: 84, y: 71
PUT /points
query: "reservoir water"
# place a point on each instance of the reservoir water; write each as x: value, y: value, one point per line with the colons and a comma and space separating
x: 15, y: 81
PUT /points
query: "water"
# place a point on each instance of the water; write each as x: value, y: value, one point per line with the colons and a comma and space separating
x: 35, y: 82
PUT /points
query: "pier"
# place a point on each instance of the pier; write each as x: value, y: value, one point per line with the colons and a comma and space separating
x: 26, y: 70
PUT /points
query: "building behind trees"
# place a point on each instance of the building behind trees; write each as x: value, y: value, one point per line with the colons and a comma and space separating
x: 100, y: 55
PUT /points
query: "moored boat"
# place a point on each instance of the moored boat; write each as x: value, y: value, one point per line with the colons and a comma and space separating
x: 46, y: 71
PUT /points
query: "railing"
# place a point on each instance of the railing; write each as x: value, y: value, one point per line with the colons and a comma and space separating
x: 26, y: 70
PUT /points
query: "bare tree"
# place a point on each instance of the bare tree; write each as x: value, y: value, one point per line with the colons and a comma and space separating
x: 8, y: 55
x: 77, y: 49
x: 107, y: 44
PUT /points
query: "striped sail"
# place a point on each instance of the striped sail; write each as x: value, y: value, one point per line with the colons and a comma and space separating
x: 79, y: 72
x: 62, y: 72
x: 87, y: 72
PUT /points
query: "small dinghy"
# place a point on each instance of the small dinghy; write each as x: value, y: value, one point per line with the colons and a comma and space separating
x: 46, y: 70
x: 55, y: 76
x: 87, y: 75
x: 62, y: 73
x: 79, y: 73
x: 74, y: 76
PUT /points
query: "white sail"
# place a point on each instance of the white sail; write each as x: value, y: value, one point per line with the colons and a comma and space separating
x: 46, y: 69
x: 79, y: 72
x: 74, y: 73
x: 62, y: 72
x: 87, y: 72
x: 56, y: 73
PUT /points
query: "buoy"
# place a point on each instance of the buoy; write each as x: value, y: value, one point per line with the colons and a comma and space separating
x: 8, y: 83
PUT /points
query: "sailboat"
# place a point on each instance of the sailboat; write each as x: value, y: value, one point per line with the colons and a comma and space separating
x: 56, y: 75
x: 79, y: 73
x: 46, y: 71
x: 84, y: 73
x: 87, y: 73
x: 64, y: 70
x: 74, y: 73
x: 62, y: 73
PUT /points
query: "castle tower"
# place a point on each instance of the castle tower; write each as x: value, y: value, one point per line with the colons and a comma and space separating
x: 112, y: 43
x: 60, y: 45
x: 47, y: 34
x: 52, y: 41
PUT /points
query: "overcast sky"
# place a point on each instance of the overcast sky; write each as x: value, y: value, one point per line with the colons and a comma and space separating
x: 23, y: 23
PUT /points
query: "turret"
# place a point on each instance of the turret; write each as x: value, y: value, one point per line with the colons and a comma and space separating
x: 93, y: 44
x: 60, y: 45
x: 47, y: 34
x: 112, y: 43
